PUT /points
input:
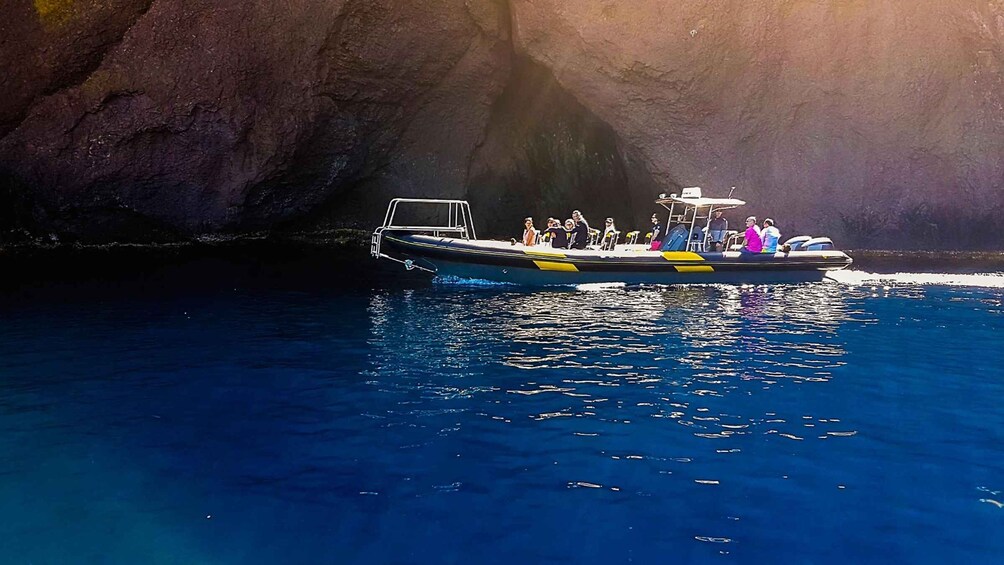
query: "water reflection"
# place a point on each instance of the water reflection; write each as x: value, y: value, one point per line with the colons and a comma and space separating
x: 633, y: 392
x: 617, y: 355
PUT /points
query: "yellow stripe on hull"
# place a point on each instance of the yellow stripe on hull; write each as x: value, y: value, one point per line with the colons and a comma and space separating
x: 694, y: 268
x: 544, y: 253
x: 555, y: 266
x: 681, y: 256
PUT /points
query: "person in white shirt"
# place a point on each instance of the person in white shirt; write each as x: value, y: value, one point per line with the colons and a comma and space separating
x: 609, y: 235
x: 769, y: 236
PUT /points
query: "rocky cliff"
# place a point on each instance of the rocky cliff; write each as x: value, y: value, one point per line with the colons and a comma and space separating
x: 881, y: 123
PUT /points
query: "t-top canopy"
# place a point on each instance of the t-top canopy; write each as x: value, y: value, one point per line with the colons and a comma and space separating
x: 691, y: 196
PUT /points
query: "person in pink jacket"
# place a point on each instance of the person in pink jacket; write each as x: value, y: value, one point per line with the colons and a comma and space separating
x: 753, y: 242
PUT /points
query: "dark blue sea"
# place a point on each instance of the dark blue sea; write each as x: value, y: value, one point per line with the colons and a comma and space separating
x: 241, y: 422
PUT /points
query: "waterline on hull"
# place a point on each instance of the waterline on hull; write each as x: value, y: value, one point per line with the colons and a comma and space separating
x: 535, y: 277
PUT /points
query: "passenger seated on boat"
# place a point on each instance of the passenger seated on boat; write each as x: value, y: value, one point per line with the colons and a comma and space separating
x: 529, y: 234
x: 581, y: 231
x: 657, y: 234
x: 542, y: 235
x: 557, y: 234
x: 610, y: 235
x: 569, y: 229
x: 753, y: 243
x: 770, y: 235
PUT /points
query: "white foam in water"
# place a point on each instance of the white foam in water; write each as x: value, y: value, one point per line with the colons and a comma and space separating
x: 854, y: 278
x: 599, y: 286
x: 847, y: 277
x: 460, y: 281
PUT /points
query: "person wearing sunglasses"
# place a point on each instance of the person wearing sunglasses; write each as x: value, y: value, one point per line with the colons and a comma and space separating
x: 609, y: 235
x: 558, y: 235
x: 753, y: 243
x: 580, y: 233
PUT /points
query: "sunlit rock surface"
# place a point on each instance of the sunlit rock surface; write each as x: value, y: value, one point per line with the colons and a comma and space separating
x: 875, y: 121
x: 879, y: 123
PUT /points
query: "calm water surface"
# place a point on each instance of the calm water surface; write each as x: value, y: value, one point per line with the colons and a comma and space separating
x: 840, y: 422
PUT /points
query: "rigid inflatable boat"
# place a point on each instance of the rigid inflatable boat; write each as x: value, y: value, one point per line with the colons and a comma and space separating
x: 685, y: 255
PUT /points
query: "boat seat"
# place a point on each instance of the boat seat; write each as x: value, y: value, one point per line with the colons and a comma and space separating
x: 594, y: 236
x: 797, y: 242
x: 733, y: 240
x: 631, y: 237
x: 610, y: 240
x: 648, y: 238
x: 696, y: 243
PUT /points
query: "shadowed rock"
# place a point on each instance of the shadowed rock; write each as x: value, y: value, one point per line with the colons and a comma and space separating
x: 877, y: 123
x: 210, y: 116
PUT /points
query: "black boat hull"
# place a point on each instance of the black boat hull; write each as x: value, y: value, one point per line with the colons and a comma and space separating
x: 540, y: 266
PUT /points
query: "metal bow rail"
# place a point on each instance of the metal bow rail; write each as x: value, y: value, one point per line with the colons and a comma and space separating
x: 459, y: 223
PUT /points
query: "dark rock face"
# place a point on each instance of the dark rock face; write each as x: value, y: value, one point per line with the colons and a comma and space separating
x: 48, y: 46
x: 232, y: 116
x: 545, y: 154
x: 878, y: 123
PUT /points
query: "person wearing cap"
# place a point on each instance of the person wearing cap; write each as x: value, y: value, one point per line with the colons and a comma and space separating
x: 717, y: 228
x: 580, y: 233
x: 657, y: 233
x: 770, y: 235
x: 753, y: 243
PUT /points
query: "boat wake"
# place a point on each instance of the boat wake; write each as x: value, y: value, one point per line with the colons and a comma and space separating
x: 448, y: 280
x: 981, y: 280
x: 846, y: 277
x: 592, y: 287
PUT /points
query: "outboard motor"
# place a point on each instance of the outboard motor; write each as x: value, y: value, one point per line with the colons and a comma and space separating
x: 796, y: 243
x: 817, y: 244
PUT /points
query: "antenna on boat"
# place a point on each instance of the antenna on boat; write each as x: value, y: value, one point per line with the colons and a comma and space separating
x: 731, y: 191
